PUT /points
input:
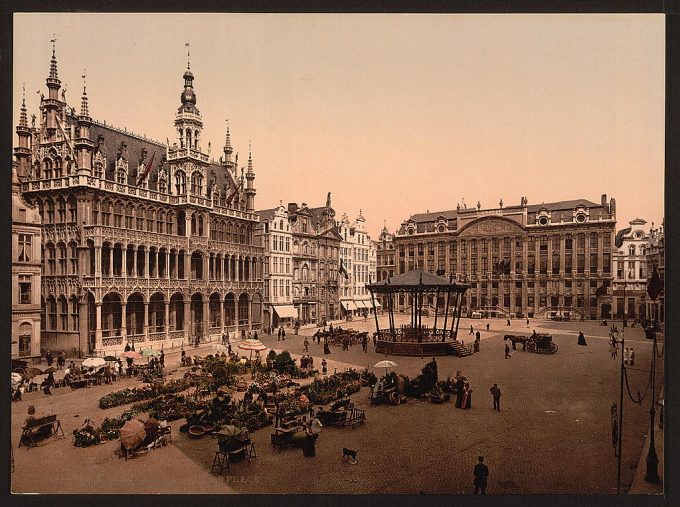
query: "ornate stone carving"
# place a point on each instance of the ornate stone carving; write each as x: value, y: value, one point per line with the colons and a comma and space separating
x: 491, y: 227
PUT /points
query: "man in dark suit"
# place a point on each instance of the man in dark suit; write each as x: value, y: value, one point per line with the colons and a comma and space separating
x: 481, y: 473
x: 496, y: 393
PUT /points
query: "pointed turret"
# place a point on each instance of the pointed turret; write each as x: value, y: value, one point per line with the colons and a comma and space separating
x: 228, y: 150
x: 250, y: 177
x: 188, y: 120
x: 23, y: 151
x: 52, y: 104
x: 83, y: 145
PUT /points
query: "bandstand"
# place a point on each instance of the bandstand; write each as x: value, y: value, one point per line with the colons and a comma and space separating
x: 416, y: 338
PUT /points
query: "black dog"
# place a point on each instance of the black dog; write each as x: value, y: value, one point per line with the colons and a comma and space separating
x: 350, y: 455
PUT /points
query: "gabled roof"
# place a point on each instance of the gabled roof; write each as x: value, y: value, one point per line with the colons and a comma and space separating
x: 266, y: 214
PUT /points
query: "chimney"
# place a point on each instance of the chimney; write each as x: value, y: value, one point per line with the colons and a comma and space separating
x: 292, y: 207
x: 604, y: 200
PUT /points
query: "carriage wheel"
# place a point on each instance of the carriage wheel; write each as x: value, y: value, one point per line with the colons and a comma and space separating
x: 394, y: 399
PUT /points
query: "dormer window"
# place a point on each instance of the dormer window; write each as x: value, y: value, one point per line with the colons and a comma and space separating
x: 580, y: 217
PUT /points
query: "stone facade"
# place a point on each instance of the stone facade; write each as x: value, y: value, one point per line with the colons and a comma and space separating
x: 526, y: 259
x: 153, y: 243
x: 656, y: 259
x: 385, y: 258
x: 26, y: 271
x: 355, y: 254
x: 274, y: 233
x: 629, y: 287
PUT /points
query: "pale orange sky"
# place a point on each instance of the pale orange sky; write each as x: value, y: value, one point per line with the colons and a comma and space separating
x: 393, y: 114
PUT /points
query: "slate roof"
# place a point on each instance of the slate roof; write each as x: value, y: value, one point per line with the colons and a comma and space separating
x: 413, y: 279
x: 550, y: 206
x: 109, y: 141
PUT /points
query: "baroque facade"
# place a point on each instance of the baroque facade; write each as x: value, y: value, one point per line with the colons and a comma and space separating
x: 629, y: 286
x: 275, y: 236
x: 656, y: 259
x: 316, y: 246
x: 384, y: 263
x: 142, y: 241
x: 519, y: 260
x: 355, y: 255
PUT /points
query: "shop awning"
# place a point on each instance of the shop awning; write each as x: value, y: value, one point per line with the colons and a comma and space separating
x: 286, y: 311
x: 348, y: 305
x: 377, y: 304
x: 360, y: 304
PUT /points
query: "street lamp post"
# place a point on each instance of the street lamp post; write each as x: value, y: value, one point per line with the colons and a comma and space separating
x: 652, y: 474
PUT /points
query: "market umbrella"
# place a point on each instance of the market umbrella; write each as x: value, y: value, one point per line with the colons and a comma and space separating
x: 150, y: 352
x: 51, y: 369
x: 131, y: 354
x: 93, y: 362
x: 132, y: 433
x: 110, y: 359
x: 33, y: 371
x: 385, y: 364
x: 219, y: 348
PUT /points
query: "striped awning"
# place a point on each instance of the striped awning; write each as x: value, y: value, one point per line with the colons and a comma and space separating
x: 360, y: 304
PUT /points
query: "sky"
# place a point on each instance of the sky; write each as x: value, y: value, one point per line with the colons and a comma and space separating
x: 393, y: 114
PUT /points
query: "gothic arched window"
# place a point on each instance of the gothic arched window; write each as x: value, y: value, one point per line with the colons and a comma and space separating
x: 180, y: 183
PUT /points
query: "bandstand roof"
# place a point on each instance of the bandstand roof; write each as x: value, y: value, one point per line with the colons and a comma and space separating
x: 417, y: 280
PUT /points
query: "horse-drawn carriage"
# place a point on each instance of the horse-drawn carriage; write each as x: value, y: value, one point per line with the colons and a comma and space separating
x: 538, y: 343
x: 340, y: 336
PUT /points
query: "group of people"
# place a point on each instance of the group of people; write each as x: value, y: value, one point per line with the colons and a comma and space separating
x: 307, y: 362
x: 61, y: 359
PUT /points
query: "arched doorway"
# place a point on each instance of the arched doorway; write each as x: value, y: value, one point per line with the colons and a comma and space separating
x: 197, y: 315
x: 134, y: 317
x: 214, y: 311
x: 256, y: 311
x: 229, y: 309
x: 177, y: 312
x: 157, y: 313
x: 243, y: 309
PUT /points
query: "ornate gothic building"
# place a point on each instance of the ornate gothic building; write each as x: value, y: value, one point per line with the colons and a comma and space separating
x: 141, y: 241
x: 528, y: 259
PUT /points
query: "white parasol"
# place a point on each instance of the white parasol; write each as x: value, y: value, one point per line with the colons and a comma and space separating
x: 219, y: 349
x: 93, y: 362
x: 385, y: 364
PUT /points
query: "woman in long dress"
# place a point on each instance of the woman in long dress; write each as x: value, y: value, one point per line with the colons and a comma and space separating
x: 467, y: 397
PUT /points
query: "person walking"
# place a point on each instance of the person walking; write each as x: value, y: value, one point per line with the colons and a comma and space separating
x: 162, y: 359
x: 477, y: 341
x: 306, y: 344
x: 49, y: 358
x: 527, y: 322
x: 626, y: 355
x: 508, y: 322
x: 364, y: 343
x: 496, y: 394
x: 324, y: 366
x: 278, y: 334
x: 631, y: 357
x: 507, y: 351
x: 283, y: 334
x: 487, y: 327
x: 472, y: 331
x: 481, y: 474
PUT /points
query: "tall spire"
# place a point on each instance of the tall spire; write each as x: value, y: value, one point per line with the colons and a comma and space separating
x: 228, y: 150
x: 188, y: 55
x: 23, y: 119
x: 83, y: 105
x: 53, y: 62
x: 250, y: 158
